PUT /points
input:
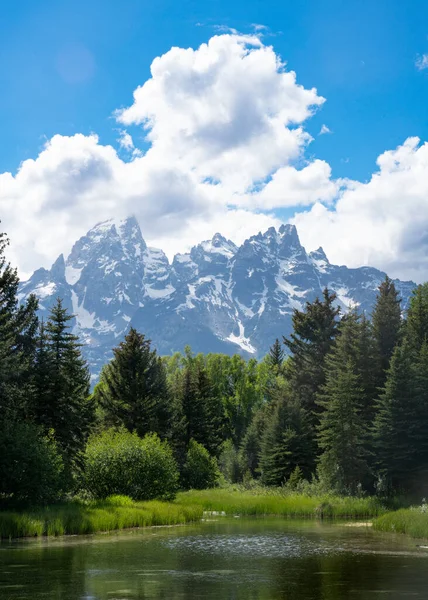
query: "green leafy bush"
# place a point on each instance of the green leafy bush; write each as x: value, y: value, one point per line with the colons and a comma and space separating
x: 31, y: 468
x: 200, y: 469
x: 121, y: 463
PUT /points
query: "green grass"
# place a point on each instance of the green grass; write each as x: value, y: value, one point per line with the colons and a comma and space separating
x: 276, y: 502
x: 412, y: 521
x: 76, y: 517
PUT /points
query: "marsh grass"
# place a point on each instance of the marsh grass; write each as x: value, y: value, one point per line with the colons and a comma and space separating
x: 264, y: 502
x: 78, y: 517
x: 412, y: 521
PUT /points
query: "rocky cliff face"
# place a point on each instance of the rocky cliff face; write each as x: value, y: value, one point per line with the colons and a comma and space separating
x: 217, y: 298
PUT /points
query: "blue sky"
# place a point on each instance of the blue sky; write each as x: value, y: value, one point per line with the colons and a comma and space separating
x: 67, y: 67
x: 360, y: 55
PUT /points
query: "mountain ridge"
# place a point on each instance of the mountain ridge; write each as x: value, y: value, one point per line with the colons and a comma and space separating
x: 218, y: 297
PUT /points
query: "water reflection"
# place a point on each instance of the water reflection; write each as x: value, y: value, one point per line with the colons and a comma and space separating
x: 255, y: 560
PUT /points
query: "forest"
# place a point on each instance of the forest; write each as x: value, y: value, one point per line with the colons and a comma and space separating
x: 340, y: 407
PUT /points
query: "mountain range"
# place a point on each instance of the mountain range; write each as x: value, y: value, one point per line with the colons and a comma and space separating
x: 219, y: 297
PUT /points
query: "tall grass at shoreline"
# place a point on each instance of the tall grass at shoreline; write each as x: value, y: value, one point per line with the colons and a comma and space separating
x: 412, y: 521
x: 251, y: 503
x: 77, y: 517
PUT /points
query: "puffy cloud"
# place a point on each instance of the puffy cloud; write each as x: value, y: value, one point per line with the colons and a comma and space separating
x: 381, y: 223
x: 228, y: 110
x: 220, y: 120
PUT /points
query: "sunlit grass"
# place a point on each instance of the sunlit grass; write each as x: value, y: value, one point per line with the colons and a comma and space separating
x: 117, y: 512
x: 412, y: 521
x: 281, y: 504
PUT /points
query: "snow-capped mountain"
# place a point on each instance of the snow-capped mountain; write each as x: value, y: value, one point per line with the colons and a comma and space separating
x: 217, y: 298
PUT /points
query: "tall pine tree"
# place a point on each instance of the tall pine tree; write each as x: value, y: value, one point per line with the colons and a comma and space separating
x: 61, y: 400
x: 314, y: 331
x: 286, y: 442
x: 386, y: 321
x: 416, y: 327
x: 133, y: 389
x: 343, y: 432
x: 399, y: 426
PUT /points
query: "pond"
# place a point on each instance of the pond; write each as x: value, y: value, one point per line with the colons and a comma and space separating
x: 222, y: 559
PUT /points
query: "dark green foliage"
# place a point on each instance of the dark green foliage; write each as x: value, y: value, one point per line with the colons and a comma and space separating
x: 119, y: 462
x: 287, y: 441
x: 416, y: 329
x: 314, y: 331
x: 202, y: 410
x: 386, y: 320
x: 30, y: 466
x: 276, y: 356
x: 61, y: 381
x: 401, y: 423
x: 230, y: 463
x: 343, y: 433
x: 251, y: 446
x: 133, y: 390
x: 200, y: 469
x: 18, y: 325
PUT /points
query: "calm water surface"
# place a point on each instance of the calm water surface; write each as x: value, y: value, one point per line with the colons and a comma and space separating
x: 224, y: 559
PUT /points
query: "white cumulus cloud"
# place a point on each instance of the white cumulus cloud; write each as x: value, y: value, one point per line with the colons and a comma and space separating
x: 381, y: 223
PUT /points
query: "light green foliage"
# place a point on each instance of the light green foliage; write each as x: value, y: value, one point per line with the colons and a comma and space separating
x: 200, y: 469
x: 119, y: 462
x: 31, y: 468
x: 96, y: 516
x: 230, y: 463
x: 412, y: 521
x: 280, y: 502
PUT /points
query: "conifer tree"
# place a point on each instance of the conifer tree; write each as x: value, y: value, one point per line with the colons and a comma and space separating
x: 416, y: 327
x: 133, y: 389
x: 286, y: 442
x: 342, y: 430
x: 276, y: 356
x: 314, y: 331
x: 386, y: 320
x: 203, y: 412
x: 62, y: 403
x: 399, y: 422
x: 17, y: 338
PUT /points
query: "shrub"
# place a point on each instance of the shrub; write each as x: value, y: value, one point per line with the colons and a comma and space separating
x: 200, y: 470
x: 121, y: 463
x: 31, y: 469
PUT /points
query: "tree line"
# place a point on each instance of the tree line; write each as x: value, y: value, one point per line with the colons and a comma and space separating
x: 342, y: 404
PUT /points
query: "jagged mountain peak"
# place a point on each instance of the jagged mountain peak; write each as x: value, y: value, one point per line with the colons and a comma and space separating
x: 220, y: 245
x: 217, y: 298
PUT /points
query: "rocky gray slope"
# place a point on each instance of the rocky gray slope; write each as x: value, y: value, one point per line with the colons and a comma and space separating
x: 217, y: 298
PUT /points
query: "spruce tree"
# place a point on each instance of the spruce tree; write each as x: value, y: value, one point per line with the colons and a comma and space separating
x: 343, y: 432
x: 133, y: 390
x: 203, y: 412
x: 399, y: 426
x: 386, y: 320
x: 62, y: 381
x: 276, y: 356
x: 416, y: 327
x: 314, y: 331
x: 286, y: 442
x: 18, y: 326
